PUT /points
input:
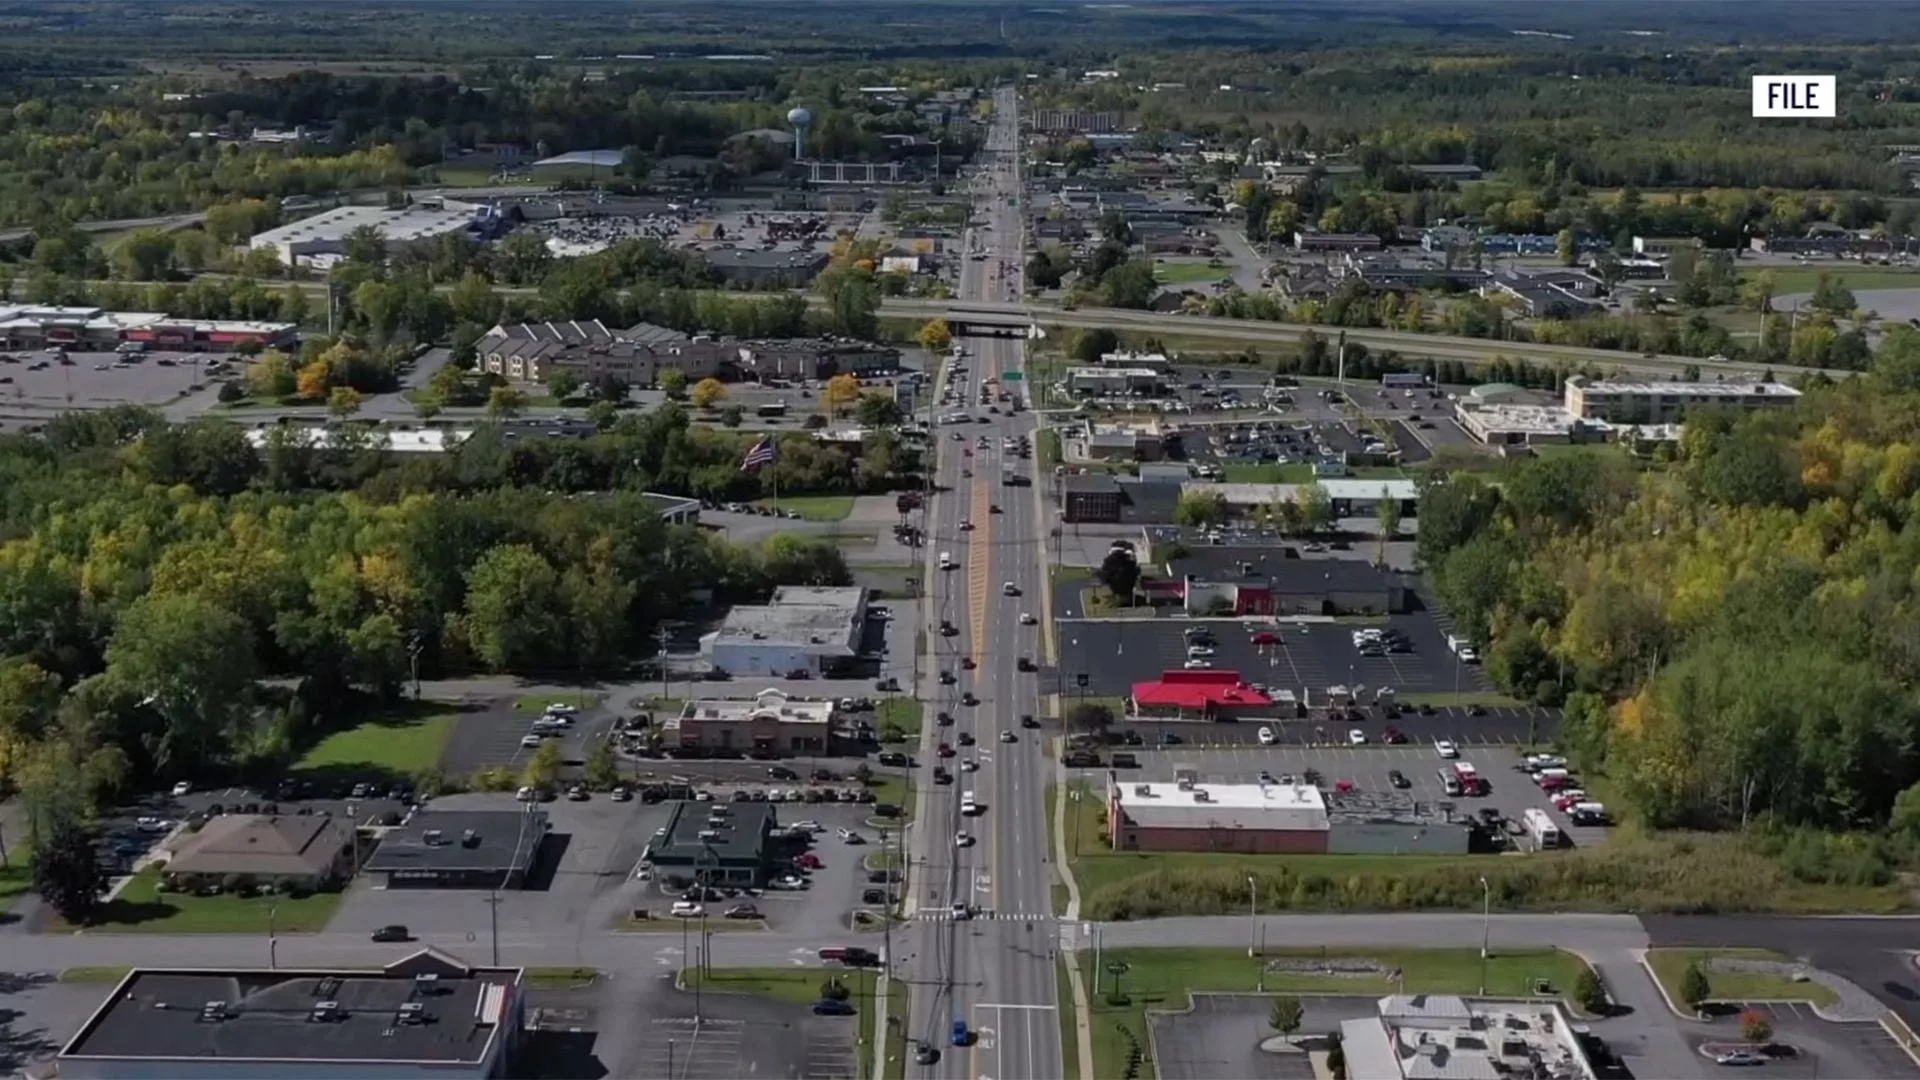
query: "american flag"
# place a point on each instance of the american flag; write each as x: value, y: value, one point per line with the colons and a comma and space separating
x: 761, y: 453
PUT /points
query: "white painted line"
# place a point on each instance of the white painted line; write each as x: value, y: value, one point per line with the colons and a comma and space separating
x: 1037, y: 1008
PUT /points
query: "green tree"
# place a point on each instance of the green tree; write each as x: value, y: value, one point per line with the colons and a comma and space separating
x: 191, y: 662
x: 344, y: 401
x: 1131, y: 284
x: 708, y: 392
x: 562, y: 384
x: 1199, y: 509
x: 1286, y: 1014
x: 66, y: 872
x: 934, y: 336
x: 673, y: 383
x: 1588, y: 994
x: 853, y: 300
x: 543, y: 768
x: 1316, y: 506
x: 1088, y: 346
x: 145, y: 255
x: 473, y: 300
x: 732, y: 416
x: 271, y: 376
x: 603, y: 768
x: 515, y: 614
x: 1120, y: 573
x: 1832, y: 296
x: 1386, y: 511
x: 1089, y: 717
x: 1694, y: 988
x: 613, y: 390
x: 1563, y: 247
x: 506, y: 402
x: 877, y: 411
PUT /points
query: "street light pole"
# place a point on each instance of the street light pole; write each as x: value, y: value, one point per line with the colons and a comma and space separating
x: 1486, y: 929
x: 1253, y: 917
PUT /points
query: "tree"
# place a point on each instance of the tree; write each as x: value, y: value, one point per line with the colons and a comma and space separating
x: 1089, y: 717
x: 1588, y: 993
x: 562, y: 384
x: 515, y: 615
x: 66, y: 872
x: 543, y: 768
x: 1131, y: 284
x: 673, y: 382
x: 853, y: 300
x: 1386, y: 511
x: 732, y: 416
x: 1286, y: 1015
x: 1120, y: 573
x: 935, y: 337
x: 1694, y: 988
x: 708, y: 392
x: 841, y: 390
x: 612, y: 389
x: 1316, y: 506
x: 312, y: 381
x: 1199, y: 509
x: 506, y: 402
x: 344, y: 401
x: 1755, y: 1028
x: 1563, y: 246
x: 146, y: 255
x: 878, y: 411
x: 832, y: 989
x: 271, y: 376
x: 603, y: 769
x: 191, y: 662
x: 1832, y: 296
x: 1088, y: 346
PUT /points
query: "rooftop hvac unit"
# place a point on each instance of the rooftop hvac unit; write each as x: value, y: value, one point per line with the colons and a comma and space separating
x: 434, y: 837
x: 412, y: 1012
x: 213, y: 1011
x: 470, y: 838
x: 426, y: 983
x: 1142, y: 790
x: 324, y: 1012
x: 1200, y: 795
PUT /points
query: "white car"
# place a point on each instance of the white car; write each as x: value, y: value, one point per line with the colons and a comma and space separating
x: 1356, y: 737
x: 561, y: 708
x: 153, y: 824
x: 961, y: 912
x: 1197, y: 651
x: 1196, y: 665
x: 1267, y: 737
x: 182, y: 788
x: 1027, y: 619
x: 808, y: 825
x: 687, y: 909
x: 1446, y: 749
x: 969, y: 765
x: 789, y: 881
x: 966, y: 526
x: 962, y: 839
x: 852, y: 837
x: 529, y: 742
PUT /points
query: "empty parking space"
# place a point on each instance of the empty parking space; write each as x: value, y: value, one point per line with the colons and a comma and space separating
x: 694, y: 1049
x: 1821, y: 1048
x: 1520, y: 726
x: 828, y: 1043
x: 37, y: 379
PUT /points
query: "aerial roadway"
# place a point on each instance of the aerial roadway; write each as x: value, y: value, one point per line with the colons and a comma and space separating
x: 979, y: 956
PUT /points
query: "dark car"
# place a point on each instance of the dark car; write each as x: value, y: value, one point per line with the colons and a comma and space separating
x: 947, y: 678
x: 968, y: 699
x: 781, y: 772
x: 966, y: 738
x: 926, y: 1054
x: 945, y: 751
x: 830, y: 1007
x: 946, y: 719
x: 743, y: 911
x: 1398, y: 779
x: 966, y: 663
x: 392, y: 933
x: 1025, y: 664
x: 1027, y: 721
x: 876, y: 896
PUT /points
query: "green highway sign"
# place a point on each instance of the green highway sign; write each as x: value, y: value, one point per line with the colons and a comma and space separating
x: 1012, y: 376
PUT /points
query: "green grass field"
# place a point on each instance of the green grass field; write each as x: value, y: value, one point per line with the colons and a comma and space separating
x: 1803, y: 279
x: 141, y: 908
x: 535, y: 704
x: 1264, y: 473
x: 1163, y: 979
x: 402, y: 742
x: 814, y: 507
x: 1188, y: 273
x: 904, y: 713
x: 1670, y: 965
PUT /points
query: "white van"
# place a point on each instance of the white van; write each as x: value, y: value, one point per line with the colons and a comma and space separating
x: 946, y: 561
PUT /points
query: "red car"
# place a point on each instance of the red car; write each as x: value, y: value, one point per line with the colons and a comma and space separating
x: 1265, y: 637
x: 1393, y: 736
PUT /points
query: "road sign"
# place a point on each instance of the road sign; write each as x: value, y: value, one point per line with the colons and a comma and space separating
x: 1012, y: 376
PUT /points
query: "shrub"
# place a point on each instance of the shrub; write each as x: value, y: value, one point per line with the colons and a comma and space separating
x: 1588, y: 993
x: 1286, y: 1015
x: 1694, y: 988
x: 832, y: 989
x: 1755, y: 1028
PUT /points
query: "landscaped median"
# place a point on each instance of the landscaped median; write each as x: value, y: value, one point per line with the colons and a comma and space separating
x: 1726, y: 982
x: 804, y: 986
x: 1133, y: 981
x: 1631, y: 871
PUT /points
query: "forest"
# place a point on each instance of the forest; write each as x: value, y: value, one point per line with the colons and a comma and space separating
x: 1734, y: 631
x: 151, y: 575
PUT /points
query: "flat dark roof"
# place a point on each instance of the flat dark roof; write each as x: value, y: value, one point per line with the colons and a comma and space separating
x: 739, y: 841
x: 1092, y: 483
x: 502, y: 841
x: 258, y: 1015
x: 1283, y: 567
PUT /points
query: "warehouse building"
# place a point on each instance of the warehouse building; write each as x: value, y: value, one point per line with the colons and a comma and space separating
x: 725, y: 843
x: 92, y: 329
x: 1275, y: 819
x: 427, y: 1015
x: 461, y: 849
x: 815, y: 630
x: 1668, y: 402
x: 771, y: 723
x: 325, y: 234
x: 813, y: 358
x: 1274, y: 580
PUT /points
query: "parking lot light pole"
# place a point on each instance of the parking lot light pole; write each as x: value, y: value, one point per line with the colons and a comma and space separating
x: 1253, y: 917
x: 1486, y: 929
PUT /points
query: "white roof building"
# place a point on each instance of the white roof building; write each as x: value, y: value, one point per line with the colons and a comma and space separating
x: 1443, y: 1037
x: 326, y: 233
x: 1193, y: 805
x: 769, y: 704
x: 1339, y: 490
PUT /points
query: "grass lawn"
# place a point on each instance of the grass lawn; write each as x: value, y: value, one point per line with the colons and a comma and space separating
x: 892, y: 789
x: 1266, y: 473
x: 467, y: 175
x: 814, y: 507
x: 1187, y: 273
x: 1669, y: 965
x: 141, y: 908
x: 403, y: 742
x: 1803, y: 279
x: 801, y: 986
x: 904, y: 713
x: 1162, y: 979
x: 890, y: 579
x: 105, y: 974
x: 16, y: 878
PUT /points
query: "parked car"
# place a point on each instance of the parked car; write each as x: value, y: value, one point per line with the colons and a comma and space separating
x: 830, y: 1007
x: 687, y: 909
x: 182, y: 788
x: 1266, y: 736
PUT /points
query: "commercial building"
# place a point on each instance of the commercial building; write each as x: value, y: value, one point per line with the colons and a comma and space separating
x: 725, y: 843
x: 460, y: 849
x: 1668, y: 402
x: 1274, y: 819
x: 1089, y: 497
x: 771, y: 722
x: 813, y: 358
x: 1443, y: 1037
x: 674, y: 509
x: 755, y: 268
x: 1521, y: 425
x: 1656, y: 246
x: 1274, y: 580
x: 1068, y: 121
x: 424, y: 222
x: 1350, y: 497
x: 1207, y: 694
x: 531, y: 352
x: 38, y: 326
x: 815, y: 630
x: 428, y: 1015
x: 1563, y: 294
x: 284, y: 851
x: 1114, y: 381
x: 1306, y: 241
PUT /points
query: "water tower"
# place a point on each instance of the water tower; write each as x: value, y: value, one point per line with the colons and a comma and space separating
x: 799, y: 118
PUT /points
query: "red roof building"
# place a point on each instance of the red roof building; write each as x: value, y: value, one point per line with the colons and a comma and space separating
x: 1199, y: 695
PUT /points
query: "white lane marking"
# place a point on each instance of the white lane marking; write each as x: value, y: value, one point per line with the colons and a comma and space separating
x: 1036, y: 1008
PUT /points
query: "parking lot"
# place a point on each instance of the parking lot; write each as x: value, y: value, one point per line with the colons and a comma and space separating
x: 92, y: 378
x: 1304, y: 656
x: 1219, y: 1039
x: 1823, y: 1049
x: 1368, y: 769
x: 1462, y: 725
